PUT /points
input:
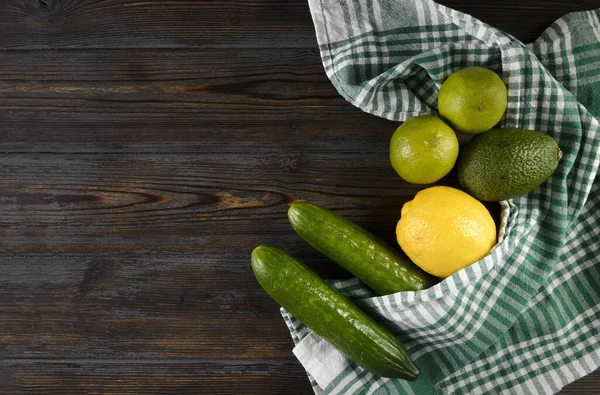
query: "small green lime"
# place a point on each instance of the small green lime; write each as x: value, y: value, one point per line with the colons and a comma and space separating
x: 423, y: 149
x: 473, y: 100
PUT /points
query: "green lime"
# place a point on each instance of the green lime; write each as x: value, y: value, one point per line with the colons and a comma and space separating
x: 423, y: 149
x: 473, y: 100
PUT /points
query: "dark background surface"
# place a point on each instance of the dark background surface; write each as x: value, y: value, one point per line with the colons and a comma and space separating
x: 146, y: 148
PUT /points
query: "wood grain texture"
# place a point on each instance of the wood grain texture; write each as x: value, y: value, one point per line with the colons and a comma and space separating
x: 155, y: 24
x: 272, y: 376
x: 146, y: 147
x: 183, y: 101
x: 167, y: 306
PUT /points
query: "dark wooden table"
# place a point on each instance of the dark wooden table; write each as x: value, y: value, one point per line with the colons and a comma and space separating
x: 146, y: 148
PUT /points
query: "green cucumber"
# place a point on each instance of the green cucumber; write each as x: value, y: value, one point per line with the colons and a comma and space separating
x: 357, y: 250
x: 330, y: 314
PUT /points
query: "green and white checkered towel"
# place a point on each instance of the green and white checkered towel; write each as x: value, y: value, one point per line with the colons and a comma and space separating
x: 525, y: 319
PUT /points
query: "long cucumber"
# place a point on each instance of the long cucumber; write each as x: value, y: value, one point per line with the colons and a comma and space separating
x: 357, y: 250
x: 330, y: 314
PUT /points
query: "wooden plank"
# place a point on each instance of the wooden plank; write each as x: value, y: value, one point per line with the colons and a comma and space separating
x: 273, y: 377
x: 227, y: 201
x: 52, y: 24
x: 173, y: 101
x: 587, y: 385
x: 140, y: 305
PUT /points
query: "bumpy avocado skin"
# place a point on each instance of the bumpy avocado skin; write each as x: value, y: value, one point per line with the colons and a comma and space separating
x: 503, y: 164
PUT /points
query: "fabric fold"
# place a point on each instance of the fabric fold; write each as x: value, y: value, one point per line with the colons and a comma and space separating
x: 526, y: 317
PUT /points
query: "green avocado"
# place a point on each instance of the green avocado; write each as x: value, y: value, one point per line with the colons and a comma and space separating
x: 503, y: 164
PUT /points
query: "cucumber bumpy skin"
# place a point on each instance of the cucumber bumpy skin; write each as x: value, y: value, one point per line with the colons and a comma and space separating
x: 330, y: 314
x: 360, y: 252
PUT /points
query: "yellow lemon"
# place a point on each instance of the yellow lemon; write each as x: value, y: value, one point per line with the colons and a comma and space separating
x: 444, y: 230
